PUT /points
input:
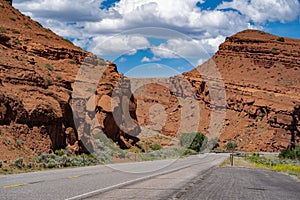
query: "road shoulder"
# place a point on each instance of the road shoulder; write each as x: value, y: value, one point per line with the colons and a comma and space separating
x: 241, y: 183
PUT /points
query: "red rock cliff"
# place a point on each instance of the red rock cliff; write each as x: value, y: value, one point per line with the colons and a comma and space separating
x: 37, y: 74
x: 261, y: 75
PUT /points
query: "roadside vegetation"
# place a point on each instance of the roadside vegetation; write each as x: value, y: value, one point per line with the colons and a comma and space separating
x: 276, y: 163
x: 188, y: 144
x: 107, y: 151
x: 60, y: 159
x: 284, y: 162
x: 193, y: 141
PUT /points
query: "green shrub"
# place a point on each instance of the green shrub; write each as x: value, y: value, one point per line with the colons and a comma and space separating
x: 1, y: 163
x: 27, y: 25
x: 103, y: 138
x: 9, y: 1
x: 49, y: 67
x: 107, y: 149
x: 72, y: 61
x: 108, y: 86
x: 155, y: 147
x: 60, y: 152
x: 58, y: 77
x: 166, y: 153
x: 268, y: 162
x: 69, y: 92
x: 12, y: 19
x: 124, y: 154
x: 16, y: 32
x: 58, y: 161
x: 17, y: 41
x: 101, y: 62
x: 231, y: 146
x: 38, y: 24
x: 48, y: 81
x: 280, y: 39
x: 262, y: 116
x: 192, y: 141
x: 255, y: 158
x: 20, y: 143
x: 67, y: 40
x: 290, y: 153
x: 2, y: 30
x: 18, y: 163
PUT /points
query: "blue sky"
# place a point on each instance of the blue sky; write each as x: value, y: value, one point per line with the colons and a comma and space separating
x: 184, y: 33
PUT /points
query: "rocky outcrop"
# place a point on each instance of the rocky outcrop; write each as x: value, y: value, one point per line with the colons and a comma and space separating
x: 262, y: 85
x: 260, y: 73
x: 109, y: 110
x: 168, y: 106
x: 46, y: 82
x: 38, y: 76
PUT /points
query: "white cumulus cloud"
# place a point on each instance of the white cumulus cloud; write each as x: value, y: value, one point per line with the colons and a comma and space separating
x: 89, y: 25
x: 118, y: 45
x: 146, y: 59
x: 266, y: 10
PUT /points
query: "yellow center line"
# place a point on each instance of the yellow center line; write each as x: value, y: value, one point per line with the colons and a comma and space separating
x: 74, y: 176
x: 15, y: 185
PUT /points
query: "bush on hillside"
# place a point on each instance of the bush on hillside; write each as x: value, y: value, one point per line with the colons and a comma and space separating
x: 280, y: 39
x: 155, y: 147
x: 290, y: 153
x: 192, y: 141
x: 231, y: 146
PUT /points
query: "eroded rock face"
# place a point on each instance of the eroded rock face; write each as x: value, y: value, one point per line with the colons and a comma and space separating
x: 123, y: 115
x: 261, y: 80
x: 119, y: 114
x: 38, y: 70
x: 262, y: 84
x: 110, y: 110
x: 168, y: 106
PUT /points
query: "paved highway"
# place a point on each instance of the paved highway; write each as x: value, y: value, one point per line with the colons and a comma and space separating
x: 241, y: 183
x: 97, y: 181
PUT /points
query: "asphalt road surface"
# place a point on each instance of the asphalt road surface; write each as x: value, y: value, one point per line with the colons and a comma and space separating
x: 214, y: 183
x: 98, y: 182
x: 242, y: 183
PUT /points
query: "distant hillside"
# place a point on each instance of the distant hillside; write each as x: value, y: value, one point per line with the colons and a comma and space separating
x: 261, y: 73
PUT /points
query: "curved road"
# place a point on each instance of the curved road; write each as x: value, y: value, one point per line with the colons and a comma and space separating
x: 97, y: 181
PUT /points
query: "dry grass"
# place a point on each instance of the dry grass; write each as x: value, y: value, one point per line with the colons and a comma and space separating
x: 285, y: 168
x: 237, y: 162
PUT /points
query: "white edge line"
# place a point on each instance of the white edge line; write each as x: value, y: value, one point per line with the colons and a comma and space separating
x: 88, y: 194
